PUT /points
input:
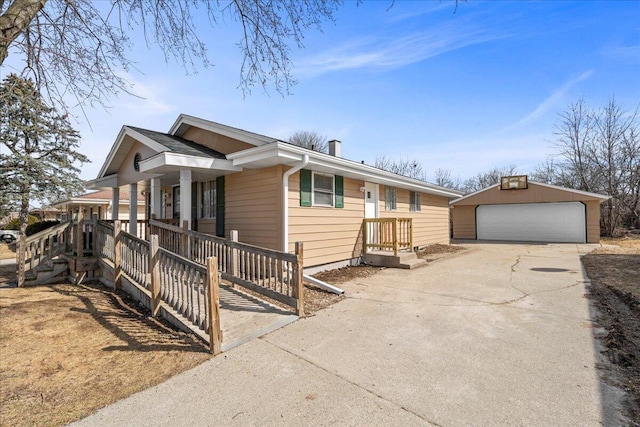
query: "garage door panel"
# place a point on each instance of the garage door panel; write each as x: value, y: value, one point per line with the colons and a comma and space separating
x: 535, y: 222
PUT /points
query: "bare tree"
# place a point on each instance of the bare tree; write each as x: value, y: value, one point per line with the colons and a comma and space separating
x: 311, y: 140
x: 487, y: 179
x: 443, y: 178
x: 409, y: 168
x: 599, y: 151
x: 78, y: 47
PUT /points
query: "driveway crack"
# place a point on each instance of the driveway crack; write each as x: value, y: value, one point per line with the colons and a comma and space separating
x: 335, y: 374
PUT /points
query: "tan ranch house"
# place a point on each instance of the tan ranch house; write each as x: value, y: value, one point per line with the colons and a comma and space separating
x: 214, y: 178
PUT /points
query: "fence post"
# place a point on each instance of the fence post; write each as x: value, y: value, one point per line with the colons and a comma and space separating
x: 116, y: 255
x: 79, y: 237
x: 395, y: 236
x: 184, y: 241
x: 411, y: 234
x: 213, y: 306
x: 94, y: 235
x: 365, y: 226
x: 299, y: 279
x: 234, y: 259
x: 154, y: 269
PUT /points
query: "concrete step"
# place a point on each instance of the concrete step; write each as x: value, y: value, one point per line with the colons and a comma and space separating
x: 412, y: 263
x: 407, y: 260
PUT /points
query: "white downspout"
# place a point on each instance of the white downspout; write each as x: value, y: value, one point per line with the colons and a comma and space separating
x: 285, y: 201
x: 285, y: 222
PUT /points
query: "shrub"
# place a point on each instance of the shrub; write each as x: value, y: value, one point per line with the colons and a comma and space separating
x: 39, y: 226
x: 14, y: 224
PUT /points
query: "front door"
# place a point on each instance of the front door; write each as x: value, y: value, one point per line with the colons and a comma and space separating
x: 371, y: 211
x: 370, y: 200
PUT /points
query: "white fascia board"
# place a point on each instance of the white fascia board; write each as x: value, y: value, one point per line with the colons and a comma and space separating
x: 555, y: 187
x: 109, y: 181
x: 184, y: 161
x: 286, y: 153
x: 453, y: 202
x: 228, y: 131
x: 115, y: 149
x: 112, y: 152
x: 571, y: 190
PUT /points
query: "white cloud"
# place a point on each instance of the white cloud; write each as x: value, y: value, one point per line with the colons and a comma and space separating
x: 554, y: 100
x: 394, y: 52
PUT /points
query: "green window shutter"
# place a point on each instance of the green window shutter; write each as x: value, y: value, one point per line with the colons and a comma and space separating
x: 220, y: 206
x: 339, y: 191
x: 305, y: 187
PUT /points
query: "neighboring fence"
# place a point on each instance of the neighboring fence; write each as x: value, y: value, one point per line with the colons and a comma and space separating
x: 47, y: 244
x: 274, y: 274
x: 388, y: 234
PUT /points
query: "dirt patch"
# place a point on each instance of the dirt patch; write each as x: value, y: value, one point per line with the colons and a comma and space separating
x: 615, y: 291
x: 438, y: 250
x: 7, y: 251
x: 66, y: 351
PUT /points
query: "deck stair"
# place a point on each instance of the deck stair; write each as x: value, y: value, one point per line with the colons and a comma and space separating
x: 47, y: 272
x: 404, y: 259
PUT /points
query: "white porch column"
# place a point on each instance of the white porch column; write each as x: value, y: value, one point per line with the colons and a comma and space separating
x: 133, y: 209
x: 115, y: 203
x: 156, y: 198
x: 185, y: 197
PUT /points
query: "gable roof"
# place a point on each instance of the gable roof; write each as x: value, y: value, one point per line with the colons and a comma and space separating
x: 555, y: 187
x: 177, y: 144
x: 185, y: 121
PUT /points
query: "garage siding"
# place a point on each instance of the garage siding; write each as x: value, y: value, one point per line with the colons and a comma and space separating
x: 464, y: 212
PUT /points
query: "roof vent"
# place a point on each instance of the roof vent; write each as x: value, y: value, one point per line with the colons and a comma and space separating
x: 335, y: 148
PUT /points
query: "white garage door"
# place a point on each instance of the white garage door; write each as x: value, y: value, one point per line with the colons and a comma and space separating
x: 532, y: 222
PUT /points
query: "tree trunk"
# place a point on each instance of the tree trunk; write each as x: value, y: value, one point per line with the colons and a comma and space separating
x: 14, y: 21
x: 24, y: 216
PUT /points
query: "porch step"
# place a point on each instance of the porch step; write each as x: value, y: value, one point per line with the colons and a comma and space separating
x: 47, y: 272
x: 406, y: 260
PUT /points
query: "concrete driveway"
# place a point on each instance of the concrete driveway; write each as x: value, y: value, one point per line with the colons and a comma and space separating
x: 497, y: 335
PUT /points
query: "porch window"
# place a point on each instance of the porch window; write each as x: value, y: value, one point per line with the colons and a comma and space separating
x: 414, y: 202
x: 208, y: 199
x: 322, y: 189
x: 390, y: 198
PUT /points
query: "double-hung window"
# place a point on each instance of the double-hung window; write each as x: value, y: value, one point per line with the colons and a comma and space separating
x: 208, y: 199
x: 414, y: 202
x: 322, y: 189
x: 390, y: 198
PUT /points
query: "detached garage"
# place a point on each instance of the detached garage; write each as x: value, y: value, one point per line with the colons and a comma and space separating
x: 520, y: 210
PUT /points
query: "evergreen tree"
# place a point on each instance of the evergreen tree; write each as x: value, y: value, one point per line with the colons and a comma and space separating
x: 38, y: 160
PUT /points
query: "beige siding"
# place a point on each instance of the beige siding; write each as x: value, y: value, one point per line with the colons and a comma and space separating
x: 464, y: 222
x: 430, y: 225
x: 127, y: 174
x: 329, y: 234
x: 207, y: 226
x: 220, y: 143
x: 464, y: 215
x: 252, y: 206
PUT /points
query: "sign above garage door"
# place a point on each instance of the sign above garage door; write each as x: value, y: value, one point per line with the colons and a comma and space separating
x: 532, y: 222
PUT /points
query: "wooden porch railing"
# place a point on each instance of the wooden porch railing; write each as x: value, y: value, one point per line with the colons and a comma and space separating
x: 190, y: 289
x: 142, y: 226
x: 271, y: 273
x: 387, y: 234
x: 47, y: 244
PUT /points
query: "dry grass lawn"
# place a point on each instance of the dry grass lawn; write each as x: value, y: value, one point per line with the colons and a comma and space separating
x: 614, y: 270
x: 66, y: 351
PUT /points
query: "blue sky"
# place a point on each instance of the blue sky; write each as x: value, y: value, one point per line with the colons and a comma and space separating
x: 468, y: 91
